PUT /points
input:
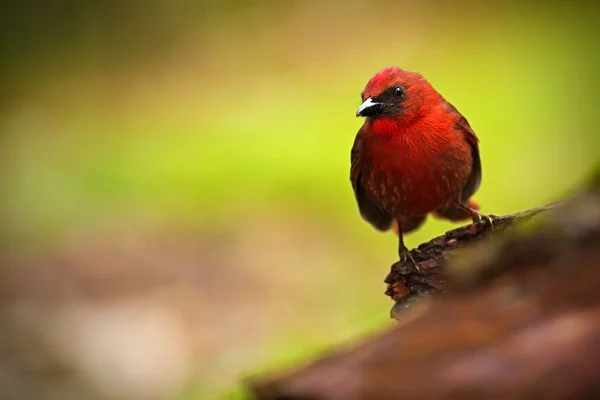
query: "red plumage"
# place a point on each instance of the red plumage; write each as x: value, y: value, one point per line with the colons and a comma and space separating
x: 414, y: 155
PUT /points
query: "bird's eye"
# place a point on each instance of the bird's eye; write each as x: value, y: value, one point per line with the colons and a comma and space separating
x: 398, y: 91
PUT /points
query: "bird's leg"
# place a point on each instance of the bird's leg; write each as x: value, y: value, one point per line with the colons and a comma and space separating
x: 405, y: 254
x: 475, y: 215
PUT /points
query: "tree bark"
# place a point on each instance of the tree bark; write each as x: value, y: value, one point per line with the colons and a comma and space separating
x: 404, y: 282
x: 519, y: 318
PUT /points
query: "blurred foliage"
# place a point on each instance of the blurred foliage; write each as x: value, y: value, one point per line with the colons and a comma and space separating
x: 238, y: 117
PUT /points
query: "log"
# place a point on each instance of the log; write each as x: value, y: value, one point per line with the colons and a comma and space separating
x: 405, y: 282
x: 518, y: 318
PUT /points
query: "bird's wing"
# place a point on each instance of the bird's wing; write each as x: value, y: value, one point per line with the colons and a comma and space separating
x: 368, y: 209
x: 475, y: 178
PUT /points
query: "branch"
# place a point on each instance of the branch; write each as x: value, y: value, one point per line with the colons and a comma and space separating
x: 405, y: 282
x: 520, y: 319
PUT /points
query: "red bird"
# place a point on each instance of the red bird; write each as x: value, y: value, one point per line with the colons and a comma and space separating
x: 414, y: 155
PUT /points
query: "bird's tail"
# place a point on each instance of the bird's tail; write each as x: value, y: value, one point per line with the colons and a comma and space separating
x: 407, y: 224
x: 454, y: 213
x: 451, y: 213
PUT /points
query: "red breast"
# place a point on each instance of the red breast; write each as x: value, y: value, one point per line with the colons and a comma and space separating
x: 416, y: 169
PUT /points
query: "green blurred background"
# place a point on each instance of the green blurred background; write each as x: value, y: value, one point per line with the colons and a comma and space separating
x: 193, y: 157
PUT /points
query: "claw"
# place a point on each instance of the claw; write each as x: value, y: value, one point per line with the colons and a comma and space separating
x: 489, y: 219
x: 471, y: 208
x: 405, y: 255
x: 477, y: 218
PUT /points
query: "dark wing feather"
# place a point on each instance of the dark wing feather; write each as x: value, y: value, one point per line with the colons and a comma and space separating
x: 370, y: 211
x: 475, y: 178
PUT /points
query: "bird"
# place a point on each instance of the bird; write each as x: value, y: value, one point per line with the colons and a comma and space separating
x: 414, y: 155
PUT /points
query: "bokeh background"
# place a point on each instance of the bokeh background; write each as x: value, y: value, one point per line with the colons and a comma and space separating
x: 176, y: 210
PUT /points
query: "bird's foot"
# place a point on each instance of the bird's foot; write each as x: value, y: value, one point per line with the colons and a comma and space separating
x: 406, y: 255
x: 477, y: 218
x: 470, y: 209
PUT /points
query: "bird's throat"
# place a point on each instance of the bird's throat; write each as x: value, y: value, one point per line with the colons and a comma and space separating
x: 389, y: 126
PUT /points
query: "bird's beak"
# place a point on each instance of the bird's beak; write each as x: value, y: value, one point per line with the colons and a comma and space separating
x: 369, y: 108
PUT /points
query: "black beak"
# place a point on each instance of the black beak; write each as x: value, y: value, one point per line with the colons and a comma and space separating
x: 369, y: 108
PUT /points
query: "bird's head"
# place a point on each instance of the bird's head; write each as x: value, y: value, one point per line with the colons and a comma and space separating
x: 393, y: 93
